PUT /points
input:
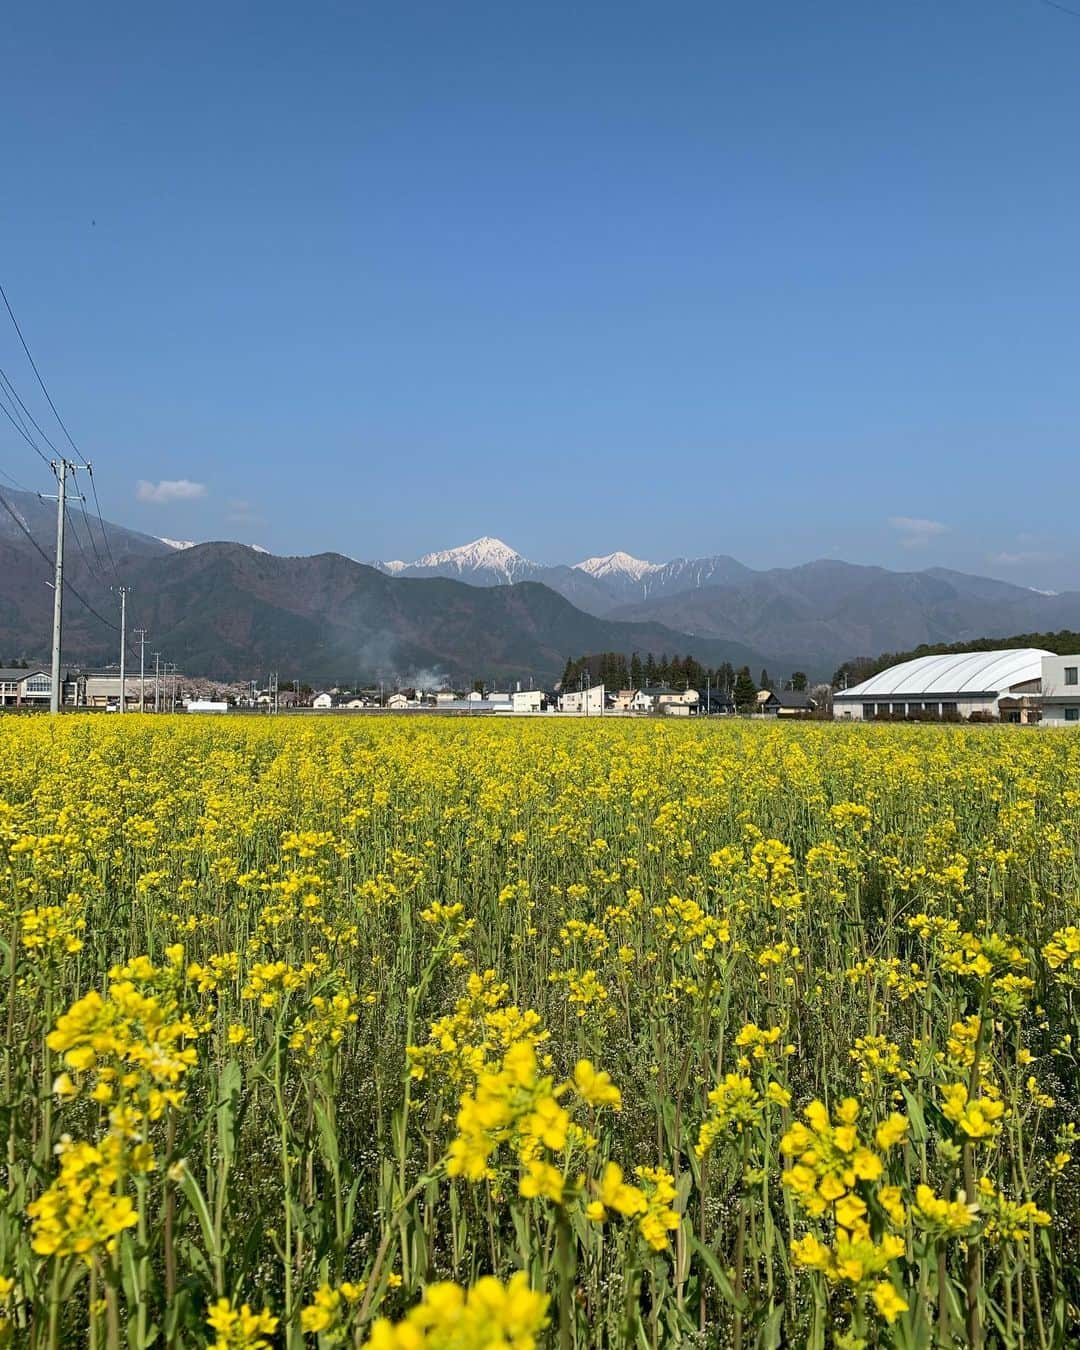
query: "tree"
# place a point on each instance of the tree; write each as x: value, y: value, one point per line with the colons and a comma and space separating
x: 636, y: 671
x: 798, y: 681
x: 478, y: 687
x: 764, y: 682
x: 725, y: 677
x: 650, y: 669
x: 745, y: 689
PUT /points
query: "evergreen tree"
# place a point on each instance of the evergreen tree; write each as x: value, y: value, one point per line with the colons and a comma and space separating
x: 650, y: 669
x: 725, y: 677
x: 798, y: 681
x: 568, y: 673
x: 745, y: 690
x: 636, y: 671
x: 764, y: 682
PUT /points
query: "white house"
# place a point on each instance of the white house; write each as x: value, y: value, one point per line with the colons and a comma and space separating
x: 1060, y: 695
x: 528, y: 700
x: 398, y: 701
x: 632, y: 700
x: 586, y: 702
x: 323, y: 701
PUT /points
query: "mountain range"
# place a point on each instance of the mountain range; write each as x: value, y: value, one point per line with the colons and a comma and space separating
x: 232, y: 610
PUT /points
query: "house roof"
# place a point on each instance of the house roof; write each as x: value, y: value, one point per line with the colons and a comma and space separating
x: 791, y: 698
x: 955, y: 673
x: 9, y: 673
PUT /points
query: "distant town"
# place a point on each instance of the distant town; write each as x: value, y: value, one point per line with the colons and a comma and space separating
x: 1021, y: 685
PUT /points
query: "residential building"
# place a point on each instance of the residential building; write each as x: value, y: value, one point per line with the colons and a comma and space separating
x: 528, y: 700
x: 1059, y: 698
x: 674, y: 702
x: 785, y: 703
x: 585, y: 702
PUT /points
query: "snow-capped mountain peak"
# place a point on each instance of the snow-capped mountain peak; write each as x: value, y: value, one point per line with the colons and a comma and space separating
x: 176, y: 543
x: 482, y: 555
x: 617, y: 564
x: 394, y: 565
x: 483, y: 552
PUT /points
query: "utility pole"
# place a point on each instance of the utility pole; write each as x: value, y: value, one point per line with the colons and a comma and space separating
x: 123, y: 645
x: 157, y: 681
x: 60, y: 467
x: 140, y: 633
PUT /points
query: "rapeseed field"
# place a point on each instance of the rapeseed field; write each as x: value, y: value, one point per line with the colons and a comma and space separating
x: 473, y: 1034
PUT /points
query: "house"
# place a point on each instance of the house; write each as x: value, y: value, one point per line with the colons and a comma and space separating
x: 399, y: 701
x: 785, y: 703
x: 445, y: 696
x: 20, y: 688
x: 715, y: 703
x: 631, y: 700
x: 584, y: 702
x: 672, y: 702
x: 528, y: 701
x: 323, y: 701
x: 1060, y: 691
x: 355, y: 701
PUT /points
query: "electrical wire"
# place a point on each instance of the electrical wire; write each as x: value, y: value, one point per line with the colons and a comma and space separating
x: 37, y: 373
x: 49, y: 563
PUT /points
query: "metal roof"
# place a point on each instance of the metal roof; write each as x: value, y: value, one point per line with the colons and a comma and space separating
x: 956, y: 673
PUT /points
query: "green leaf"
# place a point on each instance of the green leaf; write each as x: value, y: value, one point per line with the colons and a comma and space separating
x: 230, y: 1082
x: 719, y: 1275
x: 919, y: 1132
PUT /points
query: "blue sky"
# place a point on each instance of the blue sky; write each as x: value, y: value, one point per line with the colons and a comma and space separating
x: 762, y: 279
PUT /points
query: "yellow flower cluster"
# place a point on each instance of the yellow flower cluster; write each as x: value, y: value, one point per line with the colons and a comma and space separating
x: 488, y: 1316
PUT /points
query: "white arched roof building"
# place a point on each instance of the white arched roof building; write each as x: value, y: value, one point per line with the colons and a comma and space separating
x: 957, y: 684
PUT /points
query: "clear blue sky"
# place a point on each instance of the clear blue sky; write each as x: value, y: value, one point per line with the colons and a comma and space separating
x: 754, y: 278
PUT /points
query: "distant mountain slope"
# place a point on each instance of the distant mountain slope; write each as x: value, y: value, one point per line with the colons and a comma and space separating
x: 39, y: 517
x: 228, y: 611
x: 830, y: 609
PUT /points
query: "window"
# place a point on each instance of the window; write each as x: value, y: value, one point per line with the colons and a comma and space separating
x: 948, y: 709
x: 899, y: 709
x: 39, y: 684
x: 1070, y: 674
x: 1072, y: 714
x: 869, y: 710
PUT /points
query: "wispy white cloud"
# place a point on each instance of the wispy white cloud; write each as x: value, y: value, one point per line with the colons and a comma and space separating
x: 1019, y: 559
x: 917, y: 530
x: 169, y: 490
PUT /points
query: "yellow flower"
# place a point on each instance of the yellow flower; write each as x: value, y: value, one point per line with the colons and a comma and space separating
x: 888, y: 1301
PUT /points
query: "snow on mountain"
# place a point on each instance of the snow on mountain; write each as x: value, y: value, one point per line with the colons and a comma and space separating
x: 617, y: 565
x: 484, y: 555
x: 394, y: 566
x: 176, y: 543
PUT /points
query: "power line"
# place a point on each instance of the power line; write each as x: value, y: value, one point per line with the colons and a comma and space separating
x: 49, y: 563
x: 20, y: 427
x: 37, y: 373
x: 14, y: 393
x: 101, y: 521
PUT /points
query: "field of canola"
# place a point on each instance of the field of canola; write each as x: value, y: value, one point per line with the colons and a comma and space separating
x: 466, y: 1034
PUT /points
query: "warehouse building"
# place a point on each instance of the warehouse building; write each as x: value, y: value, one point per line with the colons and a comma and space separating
x: 997, y: 684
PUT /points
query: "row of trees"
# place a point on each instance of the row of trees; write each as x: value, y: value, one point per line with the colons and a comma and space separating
x: 615, y: 671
